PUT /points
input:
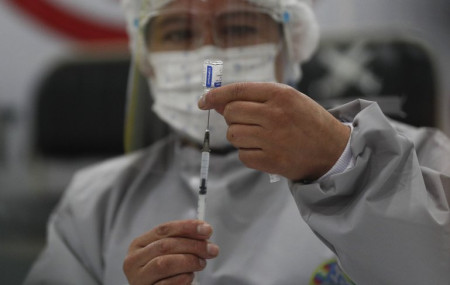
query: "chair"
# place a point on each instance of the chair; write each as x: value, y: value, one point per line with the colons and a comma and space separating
x: 394, y: 71
x: 79, y: 108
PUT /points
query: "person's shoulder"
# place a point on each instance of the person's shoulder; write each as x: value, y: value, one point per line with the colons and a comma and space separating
x: 111, y: 167
x: 101, y: 177
x: 132, y: 161
x: 95, y: 181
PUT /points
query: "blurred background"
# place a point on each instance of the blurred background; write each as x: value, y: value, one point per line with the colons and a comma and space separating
x: 63, y: 73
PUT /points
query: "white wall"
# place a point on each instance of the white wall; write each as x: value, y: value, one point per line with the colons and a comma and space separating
x: 27, y: 51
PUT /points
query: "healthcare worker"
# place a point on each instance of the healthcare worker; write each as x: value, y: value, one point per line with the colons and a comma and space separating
x: 363, y: 200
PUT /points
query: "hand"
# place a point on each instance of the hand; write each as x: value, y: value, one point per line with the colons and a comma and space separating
x: 170, y: 253
x: 278, y: 129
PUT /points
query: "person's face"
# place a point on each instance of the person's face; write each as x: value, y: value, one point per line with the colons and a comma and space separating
x: 186, y: 25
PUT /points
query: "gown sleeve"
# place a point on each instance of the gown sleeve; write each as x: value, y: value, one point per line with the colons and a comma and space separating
x: 387, y: 218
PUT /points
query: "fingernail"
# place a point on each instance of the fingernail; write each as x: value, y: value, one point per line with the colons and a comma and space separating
x: 204, y: 229
x: 202, y: 102
x: 202, y: 262
x: 213, y: 250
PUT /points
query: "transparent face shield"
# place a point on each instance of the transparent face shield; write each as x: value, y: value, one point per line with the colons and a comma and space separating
x: 188, y: 25
x: 179, y: 36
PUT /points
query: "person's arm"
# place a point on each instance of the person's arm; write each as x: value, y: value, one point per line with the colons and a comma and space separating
x: 387, y: 218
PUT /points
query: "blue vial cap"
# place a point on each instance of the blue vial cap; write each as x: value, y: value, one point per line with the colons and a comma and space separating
x: 286, y: 17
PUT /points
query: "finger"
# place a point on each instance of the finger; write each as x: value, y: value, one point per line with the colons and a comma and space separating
x: 168, y: 266
x: 257, y: 159
x: 247, y: 136
x: 188, y: 228
x: 244, y: 91
x: 182, y: 279
x: 168, y: 246
x: 245, y: 112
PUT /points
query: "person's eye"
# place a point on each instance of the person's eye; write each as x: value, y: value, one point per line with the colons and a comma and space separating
x: 177, y: 36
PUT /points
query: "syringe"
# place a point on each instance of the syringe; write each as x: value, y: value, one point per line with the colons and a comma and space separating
x: 212, y: 78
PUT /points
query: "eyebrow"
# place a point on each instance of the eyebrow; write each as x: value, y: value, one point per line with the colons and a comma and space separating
x: 173, y: 19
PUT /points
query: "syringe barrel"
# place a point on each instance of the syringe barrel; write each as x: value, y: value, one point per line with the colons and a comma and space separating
x: 201, y: 207
x: 204, y: 165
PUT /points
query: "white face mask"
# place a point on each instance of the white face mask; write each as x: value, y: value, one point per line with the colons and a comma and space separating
x: 177, y: 85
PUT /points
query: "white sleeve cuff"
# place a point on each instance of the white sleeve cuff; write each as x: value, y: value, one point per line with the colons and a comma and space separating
x: 345, y: 162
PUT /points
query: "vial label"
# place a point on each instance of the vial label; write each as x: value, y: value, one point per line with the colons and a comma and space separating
x: 212, y: 73
x: 209, y: 73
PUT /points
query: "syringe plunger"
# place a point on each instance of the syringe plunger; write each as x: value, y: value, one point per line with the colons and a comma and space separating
x: 204, y: 166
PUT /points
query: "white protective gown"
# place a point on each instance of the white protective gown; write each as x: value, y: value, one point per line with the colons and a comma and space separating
x: 387, y: 219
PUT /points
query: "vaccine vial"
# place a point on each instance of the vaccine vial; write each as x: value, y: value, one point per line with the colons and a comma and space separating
x: 212, y: 74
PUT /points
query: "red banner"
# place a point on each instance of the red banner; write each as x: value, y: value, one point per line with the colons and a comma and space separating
x: 69, y: 23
